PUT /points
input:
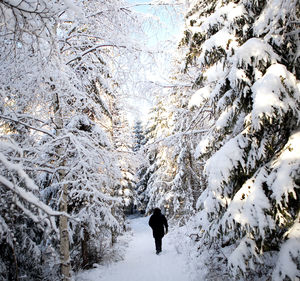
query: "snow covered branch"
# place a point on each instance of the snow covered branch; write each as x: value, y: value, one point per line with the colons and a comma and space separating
x: 27, y: 126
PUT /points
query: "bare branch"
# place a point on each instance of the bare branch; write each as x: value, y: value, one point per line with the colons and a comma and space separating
x: 28, y: 126
x: 33, y: 11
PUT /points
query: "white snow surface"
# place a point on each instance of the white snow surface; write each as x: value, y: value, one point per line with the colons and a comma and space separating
x: 140, y: 261
x: 199, y: 97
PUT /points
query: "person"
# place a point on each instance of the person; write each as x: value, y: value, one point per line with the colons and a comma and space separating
x: 159, y: 224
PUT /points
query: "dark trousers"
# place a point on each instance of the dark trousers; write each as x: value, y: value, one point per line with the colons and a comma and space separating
x: 158, y: 243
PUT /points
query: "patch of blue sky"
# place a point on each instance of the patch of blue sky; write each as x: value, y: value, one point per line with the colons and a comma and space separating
x: 163, y: 21
x: 162, y: 25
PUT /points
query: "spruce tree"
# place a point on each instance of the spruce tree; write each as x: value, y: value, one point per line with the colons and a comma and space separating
x: 139, y: 138
x: 245, y: 55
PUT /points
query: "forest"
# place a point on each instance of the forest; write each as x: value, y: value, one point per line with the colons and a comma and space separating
x: 218, y: 152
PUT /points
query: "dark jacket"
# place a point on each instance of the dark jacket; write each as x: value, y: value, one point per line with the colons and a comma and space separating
x: 157, y: 222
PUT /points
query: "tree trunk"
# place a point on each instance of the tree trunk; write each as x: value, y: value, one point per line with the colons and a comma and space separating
x: 63, y: 206
x: 84, y: 248
x: 64, y: 237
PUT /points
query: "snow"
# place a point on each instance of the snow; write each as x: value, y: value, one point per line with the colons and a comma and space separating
x: 269, y: 20
x: 245, y: 249
x: 224, y: 15
x: 282, y: 177
x: 249, y: 204
x: 214, y: 73
x: 221, y: 39
x: 254, y: 49
x: 289, y: 252
x: 140, y: 261
x: 70, y: 5
x: 202, y: 147
x: 270, y: 93
x: 225, y: 116
x: 199, y: 97
x: 218, y: 167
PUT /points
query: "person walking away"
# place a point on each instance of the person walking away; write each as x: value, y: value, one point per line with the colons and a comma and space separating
x: 159, y: 224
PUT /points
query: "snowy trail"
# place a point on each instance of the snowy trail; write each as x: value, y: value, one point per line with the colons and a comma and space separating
x: 140, y: 262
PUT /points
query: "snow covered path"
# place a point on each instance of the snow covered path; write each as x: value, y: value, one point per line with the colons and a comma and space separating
x: 140, y: 262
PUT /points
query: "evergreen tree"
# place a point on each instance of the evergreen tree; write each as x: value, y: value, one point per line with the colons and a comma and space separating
x: 139, y: 138
x: 25, y: 221
x: 146, y: 168
x: 177, y: 125
x: 141, y: 180
x: 154, y: 186
x: 245, y: 54
x: 127, y: 160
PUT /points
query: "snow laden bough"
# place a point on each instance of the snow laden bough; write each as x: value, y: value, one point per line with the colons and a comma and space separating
x: 263, y: 212
x: 250, y: 209
x: 24, y: 218
x: 91, y: 178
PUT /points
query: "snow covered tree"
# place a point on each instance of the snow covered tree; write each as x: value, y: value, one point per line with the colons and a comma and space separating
x: 154, y: 185
x: 247, y: 60
x: 139, y: 140
x: 27, y: 33
x: 101, y: 60
x: 127, y: 160
x: 57, y: 69
x: 146, y: 169
x: 141, y: 172
x: 181, y: 167
x: 139, y: 137
x: 25, y: 221
x: 96, y: 123
x: 174, y: 131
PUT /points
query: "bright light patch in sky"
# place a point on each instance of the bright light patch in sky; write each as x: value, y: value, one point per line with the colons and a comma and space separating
x: 165, y: 20
x: 162, y: 27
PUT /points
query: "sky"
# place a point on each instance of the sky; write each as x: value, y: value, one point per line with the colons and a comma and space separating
x: 161, y: 32
x: 168, y: 21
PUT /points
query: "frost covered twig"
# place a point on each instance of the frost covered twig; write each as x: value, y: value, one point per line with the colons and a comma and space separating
x: 27, y: 125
